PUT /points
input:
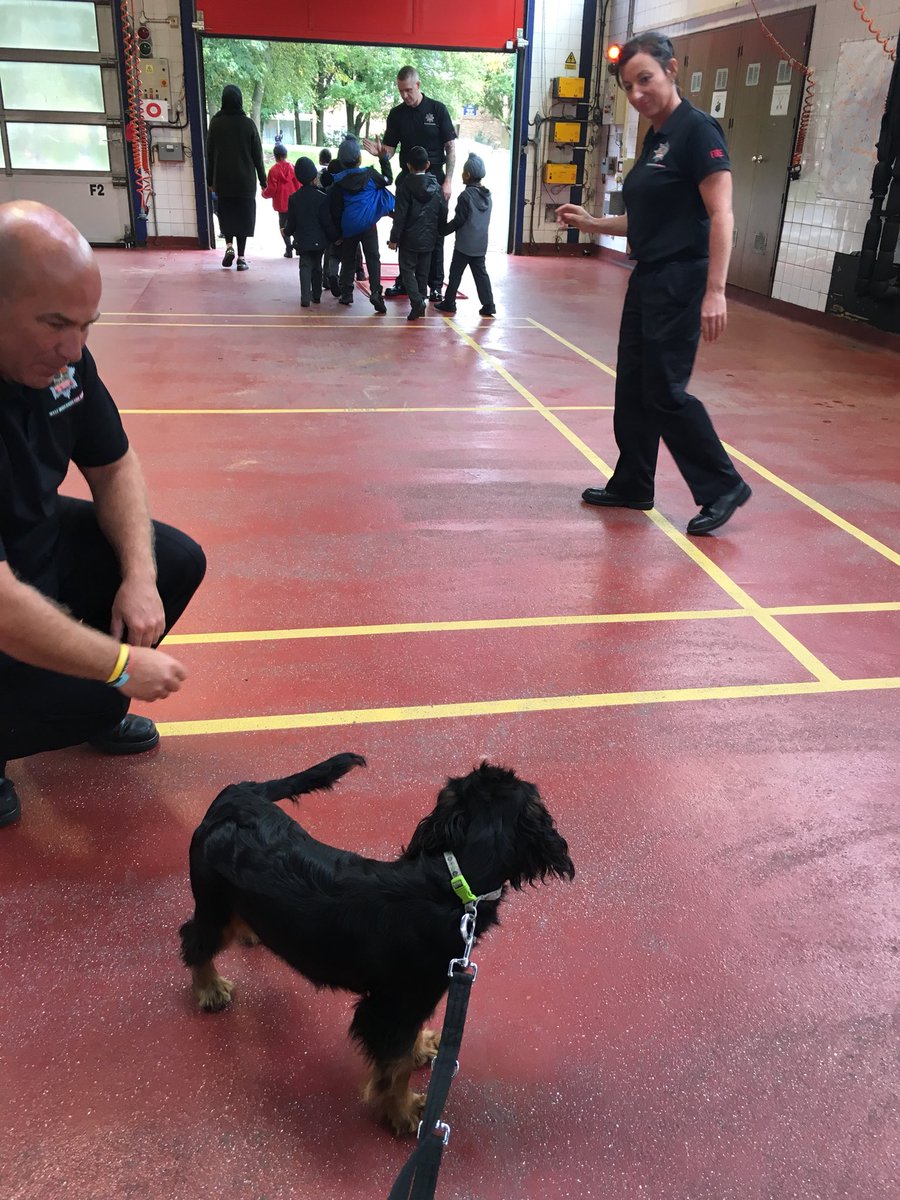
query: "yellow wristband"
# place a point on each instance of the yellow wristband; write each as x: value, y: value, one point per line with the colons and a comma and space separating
x: 120, y: 663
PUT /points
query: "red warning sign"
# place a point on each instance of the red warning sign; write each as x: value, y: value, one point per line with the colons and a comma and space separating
x: 155, y: 110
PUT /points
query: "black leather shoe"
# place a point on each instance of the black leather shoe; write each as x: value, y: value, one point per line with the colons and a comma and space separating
x: 435, y: 295
x: 397, y: 290
x: 10, y: 809
x: 446, y: 306
x: 378, y: 302
x: 488, y: 311
x: 604, y: 499
x: 713, y: 515
x: 416, y: 313
x: 132, y: 735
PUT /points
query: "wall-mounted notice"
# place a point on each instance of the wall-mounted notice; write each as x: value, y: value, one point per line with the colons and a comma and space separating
x: 719, y: 100
x: 781, y: 100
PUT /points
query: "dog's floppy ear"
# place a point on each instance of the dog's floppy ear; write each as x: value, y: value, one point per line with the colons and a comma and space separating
x: 444, y: 827
x: 539, y: 849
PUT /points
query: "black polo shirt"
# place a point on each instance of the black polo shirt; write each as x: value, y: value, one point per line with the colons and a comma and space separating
x: 666, y: 215
x: 428, y: 125
x: 42, y: 430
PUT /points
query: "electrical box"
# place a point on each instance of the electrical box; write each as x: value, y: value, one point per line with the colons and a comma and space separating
x: 615, y: 105
x: 569, y: 87
x: 154, y: 82
x: 170, y: 151
x: 565, y: 133
x: 566, y: 174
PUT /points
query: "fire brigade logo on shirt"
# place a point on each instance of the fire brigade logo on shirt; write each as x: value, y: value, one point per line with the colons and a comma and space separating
x: 660, y: 152
x: 61, y: 386
x: 429, y: 118
x: 717, y: 153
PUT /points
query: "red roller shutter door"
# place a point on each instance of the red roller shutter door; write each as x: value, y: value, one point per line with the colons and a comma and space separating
x: 446, y: 24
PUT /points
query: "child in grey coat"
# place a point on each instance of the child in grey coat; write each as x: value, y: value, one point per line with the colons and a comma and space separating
x: 470, y: 224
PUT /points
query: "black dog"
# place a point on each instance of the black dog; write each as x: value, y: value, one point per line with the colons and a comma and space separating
x: 385, y: 930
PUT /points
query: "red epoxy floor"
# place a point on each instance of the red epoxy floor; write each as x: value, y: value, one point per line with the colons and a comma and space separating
x: 710, y: 1012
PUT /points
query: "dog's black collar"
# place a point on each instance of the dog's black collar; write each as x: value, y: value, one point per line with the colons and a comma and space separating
x: 460, y: 885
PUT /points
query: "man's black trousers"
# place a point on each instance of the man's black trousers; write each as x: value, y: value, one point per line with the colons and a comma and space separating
x: 658, y: 340
x: 414, y: 274
x: 42, y: 710
x: 458, y: 264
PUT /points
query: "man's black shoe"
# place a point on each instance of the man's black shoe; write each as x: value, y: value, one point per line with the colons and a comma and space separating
x: 713, y: 515
x: 397, y: 290
x: 415, y: 313
x: 604, y: 499
x: 132, y: 735
x: 488, y: 311
x: 435, y: 295
x: 446, y: 306
x: 10, y: 809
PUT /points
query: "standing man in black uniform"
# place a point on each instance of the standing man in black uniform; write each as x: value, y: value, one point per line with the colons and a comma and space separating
x: 420, y: 121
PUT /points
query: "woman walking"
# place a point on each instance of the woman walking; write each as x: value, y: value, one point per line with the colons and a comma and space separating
x: 678, y: 221
x: 234, y: 163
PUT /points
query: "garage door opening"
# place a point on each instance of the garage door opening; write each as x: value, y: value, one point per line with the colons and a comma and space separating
x: 310, y: 95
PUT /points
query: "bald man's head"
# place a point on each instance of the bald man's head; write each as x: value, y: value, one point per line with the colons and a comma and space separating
x: 50, y: 292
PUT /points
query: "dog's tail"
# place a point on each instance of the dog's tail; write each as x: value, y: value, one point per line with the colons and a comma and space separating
x: 315, y: 779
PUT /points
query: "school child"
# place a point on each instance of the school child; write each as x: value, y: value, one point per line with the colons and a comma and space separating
x: 357, y: 200
x: 309, y: 225
x: 470, y: 224
x: 281, y: 183
x: 420, y: 212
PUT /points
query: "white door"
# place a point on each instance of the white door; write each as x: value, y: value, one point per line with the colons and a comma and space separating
x: 61, y: 132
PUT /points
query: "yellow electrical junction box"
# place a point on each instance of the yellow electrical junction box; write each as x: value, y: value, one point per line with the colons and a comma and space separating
x: 566, y: 174
x: 568, y: 87
x: 563, y: 133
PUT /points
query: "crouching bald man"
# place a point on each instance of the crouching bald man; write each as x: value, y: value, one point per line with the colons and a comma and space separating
x: 87, y: 589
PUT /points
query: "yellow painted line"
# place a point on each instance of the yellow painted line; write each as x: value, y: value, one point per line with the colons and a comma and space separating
x: 332, y: 631
x: 531, y: 704
x: 860, y: 534
x: 829, y: 515
x: 813, y: 610
x: 308, y: 317
x: 424, y: 408
x: 793, y: 646
x: 336, y: 322
x: 571, y: 346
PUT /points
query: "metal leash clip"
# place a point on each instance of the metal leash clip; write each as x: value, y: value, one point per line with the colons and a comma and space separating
x: 440, y: 1127
x: 467, y: 931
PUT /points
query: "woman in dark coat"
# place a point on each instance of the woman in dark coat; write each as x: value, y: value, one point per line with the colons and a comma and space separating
x: 234, y: 163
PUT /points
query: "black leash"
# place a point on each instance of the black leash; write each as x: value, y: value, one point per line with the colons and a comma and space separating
x: 418, y: 1178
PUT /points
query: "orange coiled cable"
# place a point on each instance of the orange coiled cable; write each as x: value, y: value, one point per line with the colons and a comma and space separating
x: 806, y: 111
x: 139, y: 145
x: 878, y: 35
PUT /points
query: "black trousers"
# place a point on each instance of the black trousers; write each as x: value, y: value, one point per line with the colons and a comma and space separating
x: 458, y: 264
x: 658, y: 340
x: 414, y: 266
x: 349, y: 247
x: 310, y: 275
x: 42, y: 710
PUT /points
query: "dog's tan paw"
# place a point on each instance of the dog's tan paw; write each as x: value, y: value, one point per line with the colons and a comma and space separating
x: 215, y: 995
x: 406, y: 1118
x: 427, y: 1044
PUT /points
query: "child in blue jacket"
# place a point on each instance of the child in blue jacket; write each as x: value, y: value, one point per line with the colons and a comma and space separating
x: 357, y: 198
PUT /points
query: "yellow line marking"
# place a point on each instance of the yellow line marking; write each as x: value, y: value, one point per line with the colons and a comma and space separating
x: 829, y: 515
x: 812, y: 610
x: 332, y: 631
x: 532, y: 704
x: 793, y: 646
x: 299, y: 412
x: 377, y: 323
x: 860, y: 534
x: 572, y: 346
x: 310, y: 317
